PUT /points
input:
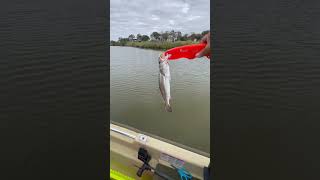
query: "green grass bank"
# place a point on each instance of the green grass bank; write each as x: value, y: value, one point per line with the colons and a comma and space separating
x: 164, y: 45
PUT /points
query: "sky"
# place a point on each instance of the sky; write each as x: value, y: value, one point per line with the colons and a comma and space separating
x: 146, y: 16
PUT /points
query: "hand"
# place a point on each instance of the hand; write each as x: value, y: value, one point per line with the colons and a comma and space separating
x: 206, y: 50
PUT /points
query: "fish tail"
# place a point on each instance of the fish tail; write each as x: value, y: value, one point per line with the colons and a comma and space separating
x: 168, y: 108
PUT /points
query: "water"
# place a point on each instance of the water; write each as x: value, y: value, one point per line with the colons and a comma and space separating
x: 53, y: 89
x: 266, y: 89
x: 136, y: 101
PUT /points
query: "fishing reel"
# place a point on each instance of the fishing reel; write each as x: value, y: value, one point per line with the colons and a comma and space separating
x: 143, y: 156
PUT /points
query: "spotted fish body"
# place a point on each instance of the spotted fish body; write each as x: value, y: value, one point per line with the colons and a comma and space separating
x: 164, y: 81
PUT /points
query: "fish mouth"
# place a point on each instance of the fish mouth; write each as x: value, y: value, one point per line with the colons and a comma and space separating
x: 163, y: 57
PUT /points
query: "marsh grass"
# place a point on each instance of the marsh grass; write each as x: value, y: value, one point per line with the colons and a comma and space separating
x: 158, y: 45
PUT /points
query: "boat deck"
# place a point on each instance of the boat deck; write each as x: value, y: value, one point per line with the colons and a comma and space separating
x: 125, y: 143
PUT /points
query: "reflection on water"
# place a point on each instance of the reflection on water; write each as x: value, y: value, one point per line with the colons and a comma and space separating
x: 136, y: 101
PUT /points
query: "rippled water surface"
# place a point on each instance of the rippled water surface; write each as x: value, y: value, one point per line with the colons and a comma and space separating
x: 266, y: 88
x: 136, y: 100
x: 53, y: 72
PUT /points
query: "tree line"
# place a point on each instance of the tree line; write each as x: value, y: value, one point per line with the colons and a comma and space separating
x: 169, y: 36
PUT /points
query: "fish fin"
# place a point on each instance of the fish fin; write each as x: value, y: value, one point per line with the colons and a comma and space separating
x: 168, y: 108
x: 162, y: 73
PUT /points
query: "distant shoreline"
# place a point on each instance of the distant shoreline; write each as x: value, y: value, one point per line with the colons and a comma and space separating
x: 155, y: 45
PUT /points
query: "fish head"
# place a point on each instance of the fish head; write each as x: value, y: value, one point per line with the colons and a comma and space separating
x: 163, y: 58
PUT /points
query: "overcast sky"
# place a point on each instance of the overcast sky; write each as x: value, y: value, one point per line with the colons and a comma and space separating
x: 146, y: 16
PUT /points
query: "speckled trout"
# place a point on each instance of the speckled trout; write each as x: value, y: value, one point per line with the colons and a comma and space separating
x: 164, y: 81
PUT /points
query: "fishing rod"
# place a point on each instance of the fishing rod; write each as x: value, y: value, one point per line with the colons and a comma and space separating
x: 144, y: 156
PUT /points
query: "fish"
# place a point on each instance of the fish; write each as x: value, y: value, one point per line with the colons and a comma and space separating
x: 164, y: 81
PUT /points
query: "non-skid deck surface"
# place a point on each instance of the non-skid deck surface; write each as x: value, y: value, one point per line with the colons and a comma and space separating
x: 126, y: 167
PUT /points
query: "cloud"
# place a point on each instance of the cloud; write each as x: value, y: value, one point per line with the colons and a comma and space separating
x: 145, y: 16
x: 154, y: 17
x: 141, y: 23
x: 191, y: 18
x: 185, y: 8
